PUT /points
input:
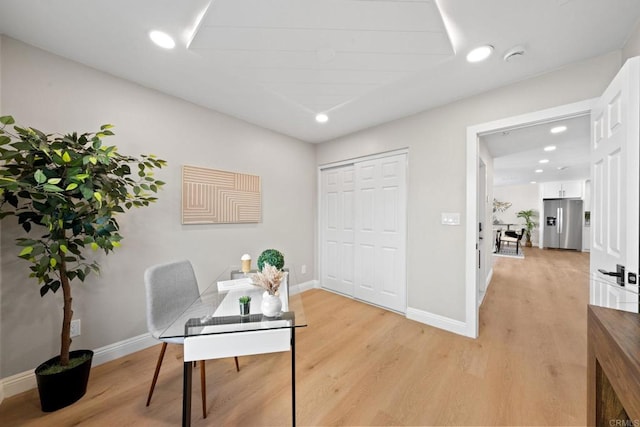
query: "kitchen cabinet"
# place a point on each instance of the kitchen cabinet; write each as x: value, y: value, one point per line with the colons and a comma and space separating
x: 562, y: 190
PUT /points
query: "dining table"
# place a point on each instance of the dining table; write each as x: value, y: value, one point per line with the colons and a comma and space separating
x: 212, y: 327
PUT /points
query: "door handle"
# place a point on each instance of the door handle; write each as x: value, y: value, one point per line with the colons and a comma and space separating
x: 618, y: 274
x: 561, y: 220
x: 610, y: 273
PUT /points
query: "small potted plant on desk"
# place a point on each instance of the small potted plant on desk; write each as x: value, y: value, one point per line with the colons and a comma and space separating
x: 245, y: 305
x: 67, y: 190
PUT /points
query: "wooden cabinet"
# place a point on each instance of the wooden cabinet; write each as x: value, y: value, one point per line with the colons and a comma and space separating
x: 562, y: 190
x: 613, y: 367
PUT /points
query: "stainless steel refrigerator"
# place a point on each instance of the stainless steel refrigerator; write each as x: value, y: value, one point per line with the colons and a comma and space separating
x: 563, y: 224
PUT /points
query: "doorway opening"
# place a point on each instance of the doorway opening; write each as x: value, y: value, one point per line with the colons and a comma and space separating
x: 475, y: 241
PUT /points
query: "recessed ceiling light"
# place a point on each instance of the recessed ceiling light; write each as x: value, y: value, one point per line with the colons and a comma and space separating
x: 543, y: 161
x: 322, y: 118
x: 162, y: 39
x: 532, y: 182
x: 480, y: 53
x: 539, y: 171
x: 549, y: 148
x: 558, y: 129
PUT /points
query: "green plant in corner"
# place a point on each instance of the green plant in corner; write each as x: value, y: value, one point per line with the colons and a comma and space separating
x: 245, y: 299
x: 529, y: 224
x: 272, y: 257
x: 68, y: 189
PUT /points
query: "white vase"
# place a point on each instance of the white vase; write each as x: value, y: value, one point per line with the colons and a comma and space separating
x: 271, y: 305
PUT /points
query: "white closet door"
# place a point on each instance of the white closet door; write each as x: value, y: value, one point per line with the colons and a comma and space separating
x: 380, y: 232
x: 337, y: 229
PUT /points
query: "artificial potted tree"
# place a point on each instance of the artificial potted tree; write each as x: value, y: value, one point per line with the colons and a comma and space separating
x: 66, y: 191
x: 529, y: 224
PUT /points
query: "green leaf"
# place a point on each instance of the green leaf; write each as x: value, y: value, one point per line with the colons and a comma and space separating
x: 97, y: 196
x: 66, y: 157
x: 7, y: 120
x: 54, y: 180
x: 53, y: 262
x: 94, y: 246
x: 52, y: 188
x: 87, y: 193
x: 26, y: 251
x: 40, y: 177
x: 106, y: 126
x: 71, y: 186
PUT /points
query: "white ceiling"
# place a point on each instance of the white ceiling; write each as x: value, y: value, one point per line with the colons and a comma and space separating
x: 517, y: 153
x: 276, y: 63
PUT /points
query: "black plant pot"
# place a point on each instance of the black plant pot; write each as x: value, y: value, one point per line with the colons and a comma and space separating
x: 64, y: 388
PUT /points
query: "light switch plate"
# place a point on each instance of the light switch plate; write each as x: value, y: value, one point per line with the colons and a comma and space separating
x: 450, y: 218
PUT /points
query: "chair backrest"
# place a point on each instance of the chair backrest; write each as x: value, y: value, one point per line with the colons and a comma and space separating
x: 170, y: 289
x: 521, y: 234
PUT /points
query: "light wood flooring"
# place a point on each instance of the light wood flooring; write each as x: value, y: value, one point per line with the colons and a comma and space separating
x: 361, y: 365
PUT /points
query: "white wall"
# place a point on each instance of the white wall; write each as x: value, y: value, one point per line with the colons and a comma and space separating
x: 521, y: 197
x: 54, y: 94
x: 437, y: 174
x: 632, y: 46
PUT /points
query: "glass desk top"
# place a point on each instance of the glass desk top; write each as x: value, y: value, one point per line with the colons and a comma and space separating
x: 217, y: 310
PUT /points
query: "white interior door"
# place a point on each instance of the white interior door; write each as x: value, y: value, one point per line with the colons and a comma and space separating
x: 380, y: 232
x: 614, y: 170
x: 337, y: 228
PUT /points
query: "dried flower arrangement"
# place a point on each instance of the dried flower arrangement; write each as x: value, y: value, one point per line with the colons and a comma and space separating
x: 269, y: 278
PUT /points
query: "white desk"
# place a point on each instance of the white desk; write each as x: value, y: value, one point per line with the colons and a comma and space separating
x: 212, y: 328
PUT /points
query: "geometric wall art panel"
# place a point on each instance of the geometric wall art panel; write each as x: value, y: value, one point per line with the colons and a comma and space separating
x: 212, y: 196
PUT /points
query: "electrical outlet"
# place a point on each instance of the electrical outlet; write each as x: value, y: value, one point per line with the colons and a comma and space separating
x: 75, y: 328
x: 303, y: 269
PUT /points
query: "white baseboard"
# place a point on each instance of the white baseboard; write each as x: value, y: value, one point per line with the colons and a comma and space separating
x: 24, y: 381
x: 304, y: 286
x: 437, y: 321
x: 489, y: 277
x: 123, y: 348
x: 486, y: 287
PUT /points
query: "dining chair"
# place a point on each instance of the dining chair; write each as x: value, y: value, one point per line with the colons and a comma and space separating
x: 170, y: 289
x: 511, y: 238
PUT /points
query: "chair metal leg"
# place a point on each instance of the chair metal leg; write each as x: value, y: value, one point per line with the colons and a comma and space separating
x: 155, y: 375
x: 237, y: 365
x: 203, y: 387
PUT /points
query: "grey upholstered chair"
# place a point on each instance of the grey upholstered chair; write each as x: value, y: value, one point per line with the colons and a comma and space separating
x: 170, y: 289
